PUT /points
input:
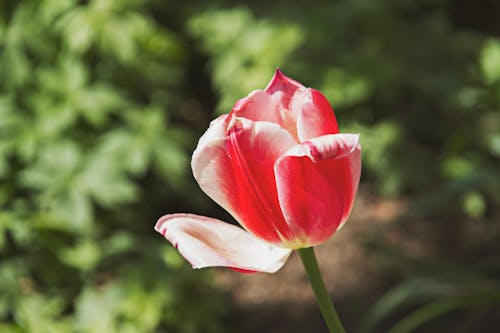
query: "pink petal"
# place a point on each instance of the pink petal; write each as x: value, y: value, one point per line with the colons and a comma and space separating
x: 317, y: 182
x: 212, y: 169
x: 237, y: 172
x: 315, y: 116
x: 207, y: 242
x: 211, y: 166
x: 216, y: 131
x: 257, y: 106
x: 304, y: 112
x: 261, y: 106
x: 283, y: 88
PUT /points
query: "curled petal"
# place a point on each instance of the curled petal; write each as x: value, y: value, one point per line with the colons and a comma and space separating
x: 317, y: 182
x: 257, y: 106
x: 261, y: 106
x: 283, y: 88
x: 315, y: 116
x: 207, y: 242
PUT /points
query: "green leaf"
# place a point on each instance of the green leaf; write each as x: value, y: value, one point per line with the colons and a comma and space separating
x: 96, y: 309
x: 146, y: 301
x: 237, y: 61
x: 37, y: 313
x: 490, y: 61
x: 14, y: 66
x: 77, y: 28
x: 406, y: 294
x: 172, y: 163
x: 344, y: 89
x: 84, y: 255
x: 103, y: 178
x: 474, y: 204
x: 97, y: 102
x: 443, y: 306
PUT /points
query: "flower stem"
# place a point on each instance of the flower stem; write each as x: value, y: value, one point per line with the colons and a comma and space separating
x: 325, y: 303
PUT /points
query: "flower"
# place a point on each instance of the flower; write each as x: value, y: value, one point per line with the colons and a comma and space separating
x: 279, y: 166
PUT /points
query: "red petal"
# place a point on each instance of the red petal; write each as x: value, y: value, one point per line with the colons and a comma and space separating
x: 315, y: 115
x: 237, y: 172
x: 207, y: 242
x: 284, y: 87
x: 253, y: 148
x: 317, y: 183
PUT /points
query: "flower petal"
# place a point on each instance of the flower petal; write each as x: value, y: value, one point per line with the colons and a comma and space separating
x: 253, y: 148
x: 211, y: 166
x: 215, y: 132
x: 237, y: 172
x: 261, y: 106
x: 317, y: 182
x: 283, y: 87
x: 212, y: 170
x: 207, y: 242
x: 315, y: 116
x: 257, y: 106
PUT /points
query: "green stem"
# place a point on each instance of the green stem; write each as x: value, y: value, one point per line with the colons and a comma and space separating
x: 325, y: 303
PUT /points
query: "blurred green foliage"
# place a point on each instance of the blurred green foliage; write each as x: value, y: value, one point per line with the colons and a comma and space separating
x: 101, y: 104
x: 93, y: 148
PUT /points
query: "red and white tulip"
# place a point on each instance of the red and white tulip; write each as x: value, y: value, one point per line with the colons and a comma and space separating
x: 278, y: 164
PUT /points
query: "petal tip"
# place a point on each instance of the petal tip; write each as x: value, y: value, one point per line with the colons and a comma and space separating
x: 207, y: 242
x: 355, y: 142
x: 159, y: 225
x: 281, y: 82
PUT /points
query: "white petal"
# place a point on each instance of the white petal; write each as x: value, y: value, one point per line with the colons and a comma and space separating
x: 215, y: 131
x: 207, y: 242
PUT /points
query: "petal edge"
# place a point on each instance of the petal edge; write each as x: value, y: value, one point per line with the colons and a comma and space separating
x: 317, y: 183
x: 208, y: 242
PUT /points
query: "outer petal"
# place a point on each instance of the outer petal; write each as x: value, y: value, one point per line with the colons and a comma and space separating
x: 215, y: 132
x: 317, y: 182
x: 315, y: 116
x: 237, y: 173
x: 206, y: 242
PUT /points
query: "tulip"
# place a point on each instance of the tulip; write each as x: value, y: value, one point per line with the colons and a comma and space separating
x: 278, y: 164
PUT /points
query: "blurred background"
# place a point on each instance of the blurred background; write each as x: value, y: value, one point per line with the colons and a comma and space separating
x: 102, y: 103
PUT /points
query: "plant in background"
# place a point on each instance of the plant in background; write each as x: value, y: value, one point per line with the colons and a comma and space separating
x: 86, y: 116
x: 278, y: 164
x: 102, y: 100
